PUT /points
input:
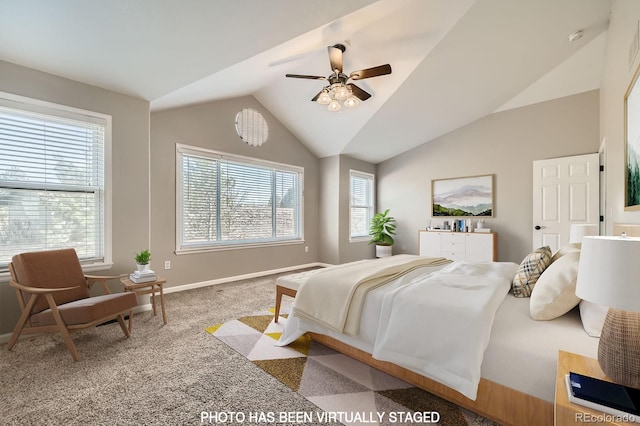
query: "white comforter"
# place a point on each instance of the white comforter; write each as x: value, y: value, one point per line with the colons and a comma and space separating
x: 439, y: 325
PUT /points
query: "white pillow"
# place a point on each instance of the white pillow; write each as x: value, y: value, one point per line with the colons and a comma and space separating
x: 569, y: 248
x: 592, y: 316
x: 555, y: 292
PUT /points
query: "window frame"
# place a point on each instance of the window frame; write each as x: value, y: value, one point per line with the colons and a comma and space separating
x: 363, y: 175
x: 37, y: 106
x: 181, y: 248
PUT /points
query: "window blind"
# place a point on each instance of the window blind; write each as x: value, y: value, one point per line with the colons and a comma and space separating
x: 361, y: 203
x: 52, y: 173
x: 226, y: 200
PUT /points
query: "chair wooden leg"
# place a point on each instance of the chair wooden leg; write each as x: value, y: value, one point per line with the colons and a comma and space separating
x: 130, y: 320
x: 62, y: 328
x: 123, y: 326
x: 22, y: 321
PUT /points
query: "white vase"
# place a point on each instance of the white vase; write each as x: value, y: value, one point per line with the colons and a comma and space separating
x: 143, y: 268
x: 383, y: 251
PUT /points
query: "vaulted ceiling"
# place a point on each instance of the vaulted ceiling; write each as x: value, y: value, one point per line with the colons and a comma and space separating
x: 453, y: 62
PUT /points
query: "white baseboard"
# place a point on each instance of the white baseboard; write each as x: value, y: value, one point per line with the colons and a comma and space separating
x: 4, y: 338
x: 201, y: 284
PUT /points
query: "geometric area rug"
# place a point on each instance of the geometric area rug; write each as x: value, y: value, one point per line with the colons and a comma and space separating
x: 349, y: 392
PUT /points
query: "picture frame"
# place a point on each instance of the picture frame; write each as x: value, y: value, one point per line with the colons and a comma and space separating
x: 632, y: 144
x: 470, y: 196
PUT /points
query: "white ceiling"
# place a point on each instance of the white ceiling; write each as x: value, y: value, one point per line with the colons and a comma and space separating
x: 453, y: 61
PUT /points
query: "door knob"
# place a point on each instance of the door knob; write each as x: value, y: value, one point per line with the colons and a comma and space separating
x: 538, y: 227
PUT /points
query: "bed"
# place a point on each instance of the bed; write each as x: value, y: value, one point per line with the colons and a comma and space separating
x: 517, y: 365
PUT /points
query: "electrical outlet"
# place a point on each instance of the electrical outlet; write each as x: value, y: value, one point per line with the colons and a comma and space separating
x: 306, y: 249
x: 167, y: 264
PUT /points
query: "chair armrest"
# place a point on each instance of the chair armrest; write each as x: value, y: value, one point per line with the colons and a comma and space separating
x: 38, y: 290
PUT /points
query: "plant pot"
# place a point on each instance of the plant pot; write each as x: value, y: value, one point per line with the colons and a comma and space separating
x: 143, y: 268
x: 383, y: 251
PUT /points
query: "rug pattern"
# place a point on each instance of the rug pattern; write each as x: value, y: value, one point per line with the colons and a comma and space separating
x: 353, y: 391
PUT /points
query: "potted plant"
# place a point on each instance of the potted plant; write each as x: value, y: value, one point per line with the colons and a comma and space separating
x: 142, y: 260
x: 381, y: 230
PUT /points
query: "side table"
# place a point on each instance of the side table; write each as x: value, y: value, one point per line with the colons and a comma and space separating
x: 567, y: 413
x: 146, y: 288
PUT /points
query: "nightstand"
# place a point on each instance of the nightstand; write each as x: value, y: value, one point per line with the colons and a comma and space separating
x: 566, y: 413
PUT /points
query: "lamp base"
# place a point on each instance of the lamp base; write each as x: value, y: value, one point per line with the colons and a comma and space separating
x: 619, y: 347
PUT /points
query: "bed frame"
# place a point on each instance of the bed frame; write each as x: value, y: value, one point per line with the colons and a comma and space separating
x: 496, y: 402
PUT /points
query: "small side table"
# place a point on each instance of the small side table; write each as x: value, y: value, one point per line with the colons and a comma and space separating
x: 146, y: 288
x: 566, y: 413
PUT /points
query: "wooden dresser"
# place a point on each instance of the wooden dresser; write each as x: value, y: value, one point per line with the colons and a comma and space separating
x: 472, y: 246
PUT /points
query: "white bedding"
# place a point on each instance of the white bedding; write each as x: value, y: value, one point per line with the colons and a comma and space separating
x: 458, y: 301
x: 439, y: 325
x: 521, y: 354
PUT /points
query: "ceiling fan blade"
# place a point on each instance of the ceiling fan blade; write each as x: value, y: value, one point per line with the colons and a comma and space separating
x: 310, y: 77
x: 315, y: 98
x: 358, y: 92
x: 371, y: 72
x: 335, y: 57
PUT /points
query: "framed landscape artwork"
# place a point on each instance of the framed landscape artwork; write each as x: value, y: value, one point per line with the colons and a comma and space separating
x: 462, y: 197
x: 632, y: 144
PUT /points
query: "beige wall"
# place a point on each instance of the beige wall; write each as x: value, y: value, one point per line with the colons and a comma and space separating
x: 504, y: 144
x: 130, y: 152
x: 617, y: 76
x: 212, y: 126
x: 329, y: 232
x: 335, y: 247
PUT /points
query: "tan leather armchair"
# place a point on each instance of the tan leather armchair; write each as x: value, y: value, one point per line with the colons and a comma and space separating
x: 53, y: 294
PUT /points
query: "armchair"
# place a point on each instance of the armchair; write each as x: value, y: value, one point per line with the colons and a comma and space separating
x: 53, y: 294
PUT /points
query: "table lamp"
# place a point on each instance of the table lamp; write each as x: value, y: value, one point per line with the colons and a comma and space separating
x: 580, y: 230
x: 609, y: 274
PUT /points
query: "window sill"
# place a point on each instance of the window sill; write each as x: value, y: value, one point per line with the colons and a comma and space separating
x: 196, y: 250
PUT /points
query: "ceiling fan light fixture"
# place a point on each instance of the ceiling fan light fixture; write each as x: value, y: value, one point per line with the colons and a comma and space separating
x: 334, y: 106
x: 324, y: 98
x: 351, y: 102
x: 341, y: 92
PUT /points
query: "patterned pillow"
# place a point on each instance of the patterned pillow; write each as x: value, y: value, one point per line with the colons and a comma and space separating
x: 532, y: 266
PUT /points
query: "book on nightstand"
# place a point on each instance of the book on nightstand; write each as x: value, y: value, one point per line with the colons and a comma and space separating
x: 143, y: 277
x: 610, y: 398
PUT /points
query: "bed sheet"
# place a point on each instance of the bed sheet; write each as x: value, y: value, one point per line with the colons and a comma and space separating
x: 522, y: 353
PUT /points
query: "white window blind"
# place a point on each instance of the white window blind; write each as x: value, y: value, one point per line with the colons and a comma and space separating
x: 361, y: 204
x: 226, y: 200
x: 52, y: 181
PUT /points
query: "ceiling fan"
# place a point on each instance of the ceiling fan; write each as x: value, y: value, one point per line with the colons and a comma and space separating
x: 338, y: 88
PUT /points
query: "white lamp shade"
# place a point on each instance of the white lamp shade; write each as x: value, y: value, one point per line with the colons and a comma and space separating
x: 609, y: 272
x: 580, y: 230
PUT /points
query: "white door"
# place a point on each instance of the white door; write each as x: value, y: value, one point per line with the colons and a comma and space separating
x: 565, y: 191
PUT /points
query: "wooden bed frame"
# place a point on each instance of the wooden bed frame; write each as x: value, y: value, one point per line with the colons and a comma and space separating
x: 496, y: 402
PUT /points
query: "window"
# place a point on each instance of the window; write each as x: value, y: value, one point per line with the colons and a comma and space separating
x: 228, y: 201
x: 52, y: 179
x: 361, y: 204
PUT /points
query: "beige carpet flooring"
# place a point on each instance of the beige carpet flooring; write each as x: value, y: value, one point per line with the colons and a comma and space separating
x: 163, y: 375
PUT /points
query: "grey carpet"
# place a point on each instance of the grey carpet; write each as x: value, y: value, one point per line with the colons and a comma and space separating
x: 164, y: 375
